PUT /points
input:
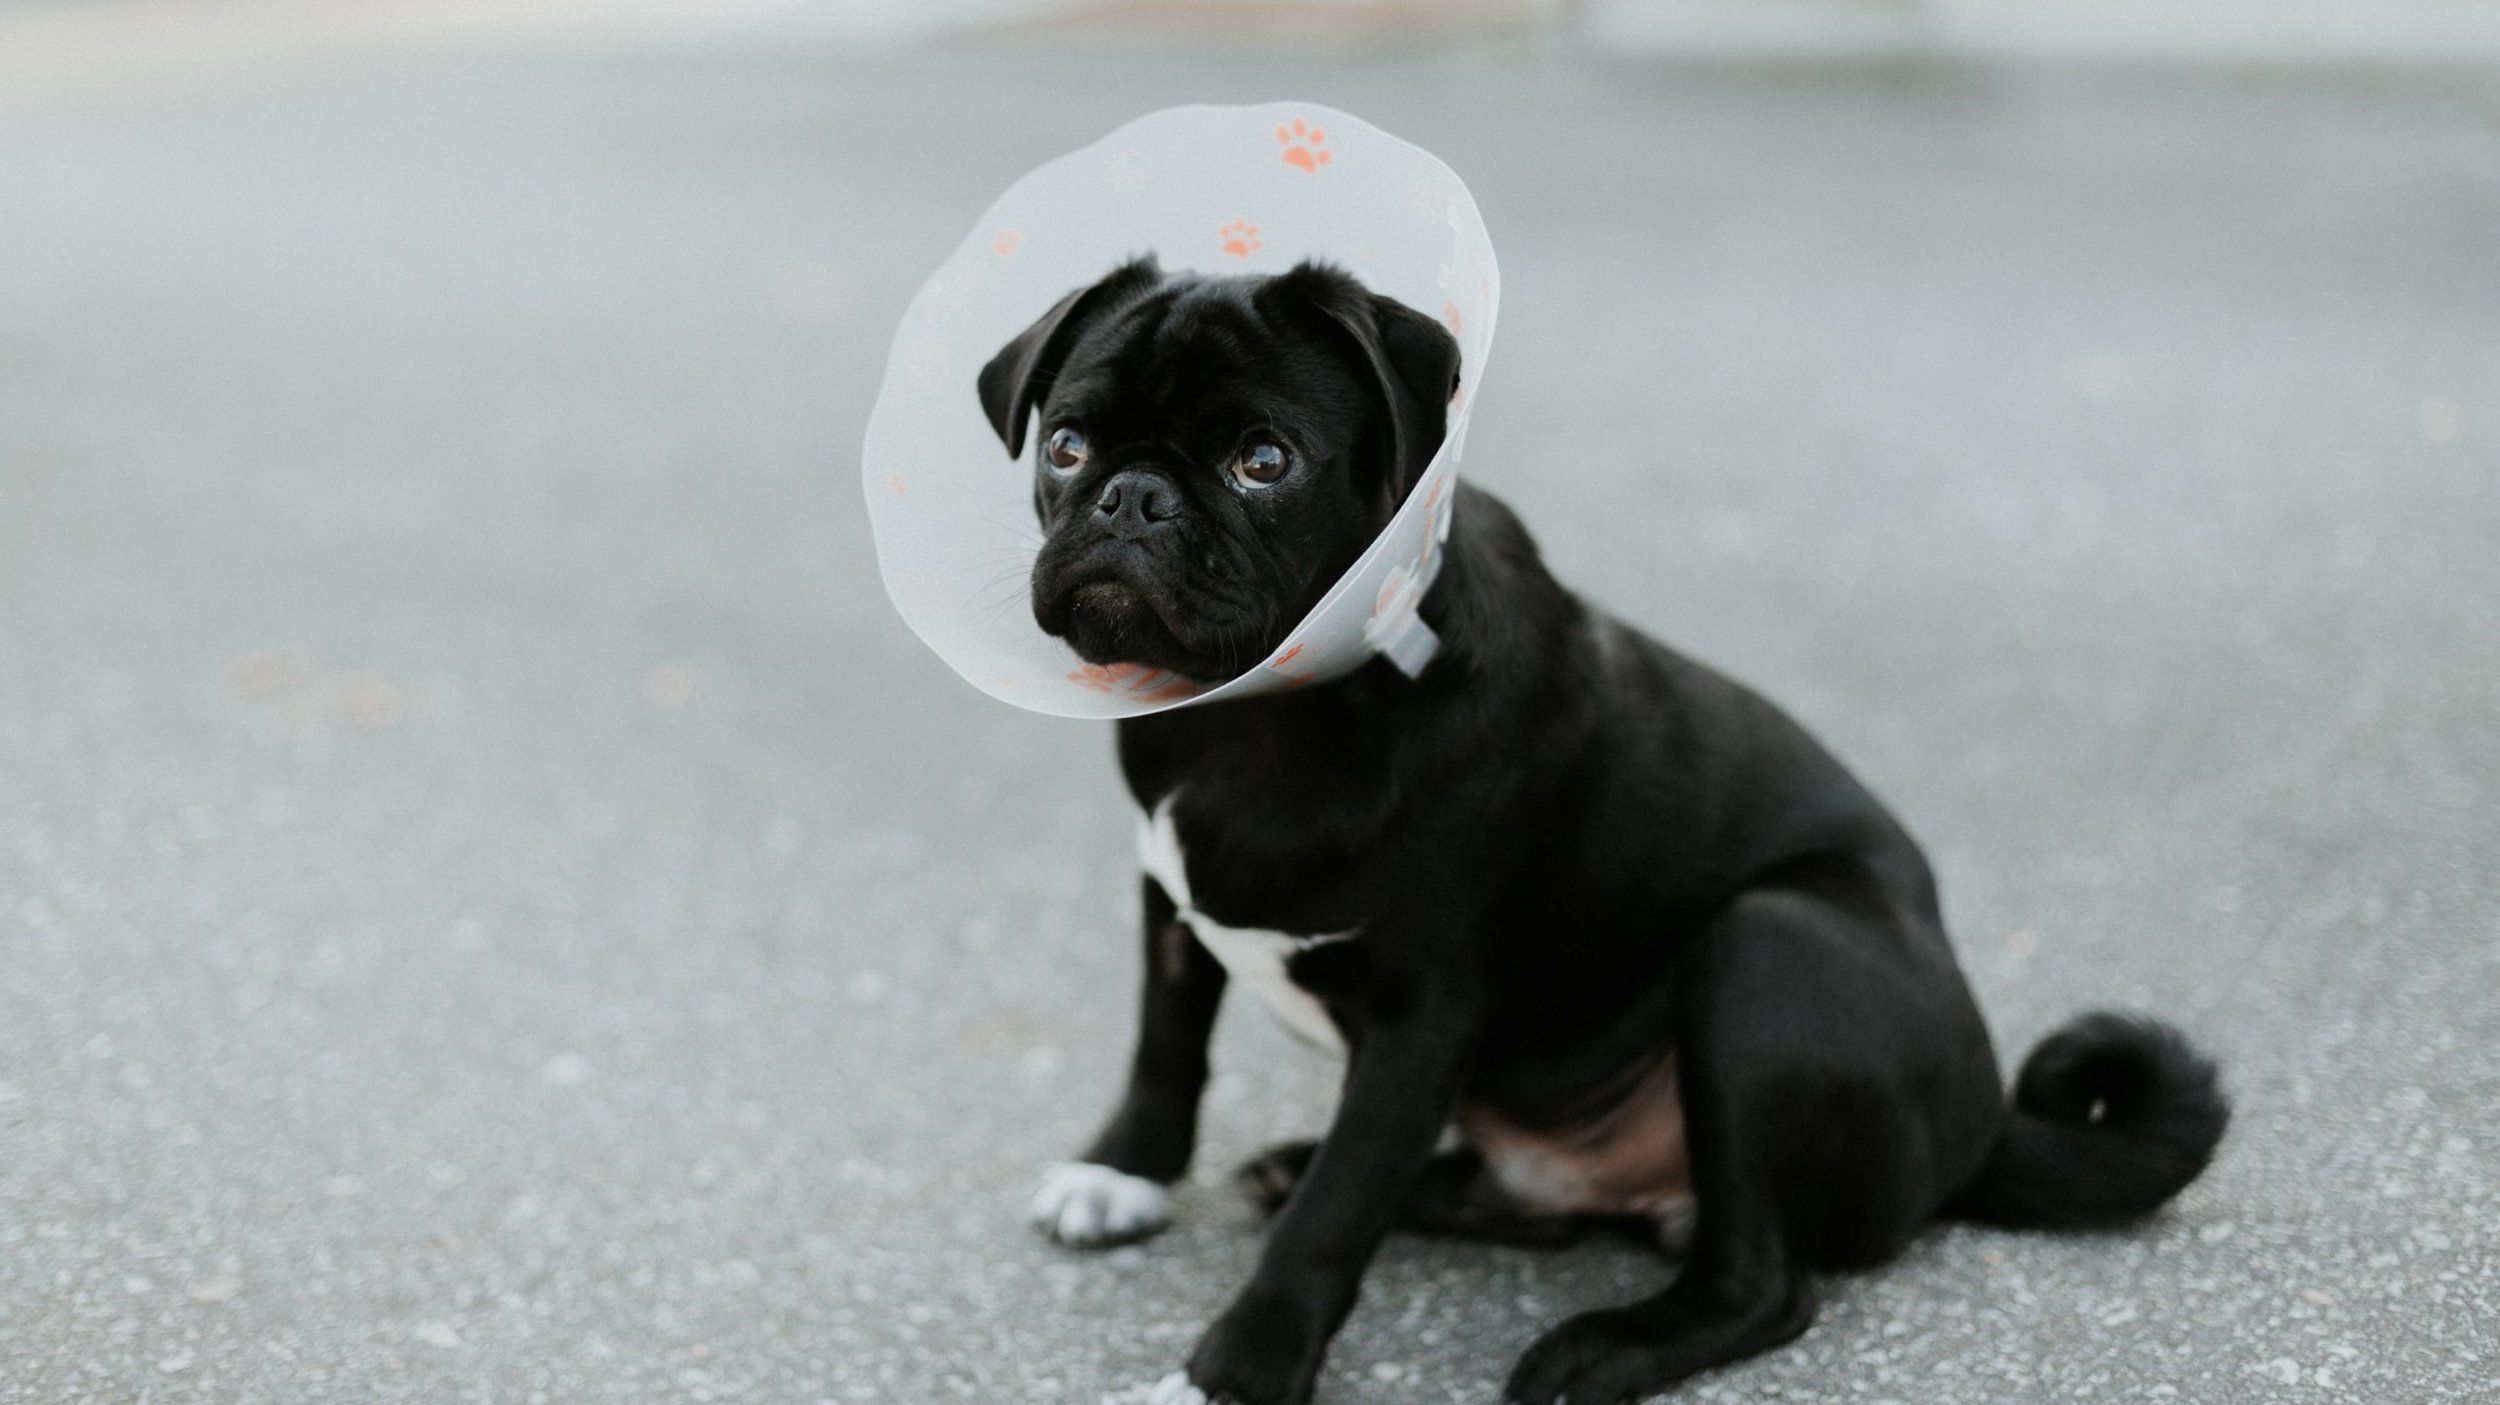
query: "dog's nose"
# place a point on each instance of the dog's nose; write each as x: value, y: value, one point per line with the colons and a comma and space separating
x: 1136, y: 503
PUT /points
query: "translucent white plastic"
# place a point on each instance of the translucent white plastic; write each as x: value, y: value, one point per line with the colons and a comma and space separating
x: 1209, y: 189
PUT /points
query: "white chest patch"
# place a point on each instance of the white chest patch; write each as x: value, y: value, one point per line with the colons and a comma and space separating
x: 1254, y: 959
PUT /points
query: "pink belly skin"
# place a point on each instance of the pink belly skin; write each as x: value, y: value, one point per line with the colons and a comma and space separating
x: 1630, y: 1162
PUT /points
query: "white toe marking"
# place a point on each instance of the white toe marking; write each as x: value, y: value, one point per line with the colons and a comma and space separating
x: 1175, y: 1389
x: 1081, y: 1203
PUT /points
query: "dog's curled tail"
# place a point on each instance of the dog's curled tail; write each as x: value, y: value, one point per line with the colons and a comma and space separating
x: 2112, y: 1115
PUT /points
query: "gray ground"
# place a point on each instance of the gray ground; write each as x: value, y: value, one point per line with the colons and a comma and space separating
x: 495, y: 907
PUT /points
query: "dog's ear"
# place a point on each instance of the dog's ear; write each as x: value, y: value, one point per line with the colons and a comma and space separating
x: 1423, y: 357
x: 1413, y: 362
x: 1024, y: 368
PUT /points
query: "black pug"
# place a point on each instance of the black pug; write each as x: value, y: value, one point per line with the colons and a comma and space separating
x: 1653, y: 953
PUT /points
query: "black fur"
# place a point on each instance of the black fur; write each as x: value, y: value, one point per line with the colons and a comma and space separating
x: 1566, y: 851
x: 2111, y: 1115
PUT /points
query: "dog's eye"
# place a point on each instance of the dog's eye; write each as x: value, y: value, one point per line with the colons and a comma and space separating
x: 1259, y: 465
x: 1065, y: 449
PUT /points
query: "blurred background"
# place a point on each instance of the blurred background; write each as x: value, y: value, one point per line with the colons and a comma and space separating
x: 495, y: 907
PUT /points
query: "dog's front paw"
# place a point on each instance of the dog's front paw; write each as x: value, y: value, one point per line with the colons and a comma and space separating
x: 1264, y: 1350
x: 1086, y: 1206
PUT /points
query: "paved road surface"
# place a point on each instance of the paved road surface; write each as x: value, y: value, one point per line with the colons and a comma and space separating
x: 494, y: 906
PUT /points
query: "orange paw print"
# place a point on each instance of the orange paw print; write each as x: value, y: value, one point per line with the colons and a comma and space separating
x: 1240, y: 237
x: 1007, y: 242
x: 1305, y: 146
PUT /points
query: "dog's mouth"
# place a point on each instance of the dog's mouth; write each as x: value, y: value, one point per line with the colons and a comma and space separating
x: 1119, y: 611
x: 1111, y: 619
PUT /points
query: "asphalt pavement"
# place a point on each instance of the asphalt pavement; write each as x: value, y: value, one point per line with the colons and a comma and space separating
x: 495, y: 907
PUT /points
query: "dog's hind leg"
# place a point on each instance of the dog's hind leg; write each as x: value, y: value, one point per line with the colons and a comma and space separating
x: 1730, y: 1300
x: 1834, y: 1095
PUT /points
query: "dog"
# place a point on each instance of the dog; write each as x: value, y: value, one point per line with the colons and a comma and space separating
x: 1651, y: 953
